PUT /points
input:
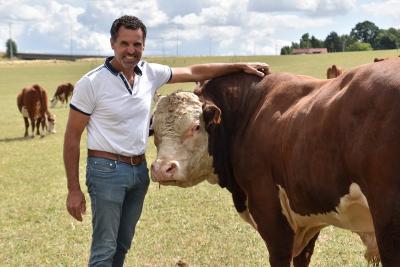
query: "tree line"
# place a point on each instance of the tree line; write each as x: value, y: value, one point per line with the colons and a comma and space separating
x: 364, y: 36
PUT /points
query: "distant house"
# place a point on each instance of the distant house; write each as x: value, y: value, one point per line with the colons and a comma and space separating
x: 299, y: 51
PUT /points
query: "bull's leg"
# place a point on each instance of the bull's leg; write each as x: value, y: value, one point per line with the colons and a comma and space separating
x: 279, y: 239
x: 33, y: 127
x: 273, y: 228
x: 38, y: 122
x: 26, y: 126
x: 66, y: 101
x: 386, y: 215
x: 303, y: 259
x: 43, y: 123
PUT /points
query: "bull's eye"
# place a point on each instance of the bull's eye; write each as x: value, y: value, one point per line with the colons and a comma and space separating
x: 196, y: 128
x: 190, y: 132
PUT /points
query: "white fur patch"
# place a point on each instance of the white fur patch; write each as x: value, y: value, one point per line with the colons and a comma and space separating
x: 24, y: 112
x: 352, y: 213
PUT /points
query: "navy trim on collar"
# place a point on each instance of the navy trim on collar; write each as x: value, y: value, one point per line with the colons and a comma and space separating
x: 128, y: 87
x: 110, y: 67
x: 137, y: 70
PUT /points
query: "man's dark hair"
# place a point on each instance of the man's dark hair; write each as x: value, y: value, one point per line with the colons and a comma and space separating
x: 129, y: 22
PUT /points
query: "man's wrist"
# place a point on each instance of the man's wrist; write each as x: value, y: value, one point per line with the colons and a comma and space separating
x: 74, y: 188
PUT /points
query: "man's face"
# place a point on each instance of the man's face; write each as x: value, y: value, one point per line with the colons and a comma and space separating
x: 128, y: 47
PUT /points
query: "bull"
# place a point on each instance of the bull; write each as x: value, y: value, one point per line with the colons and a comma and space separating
x: 297, y: 154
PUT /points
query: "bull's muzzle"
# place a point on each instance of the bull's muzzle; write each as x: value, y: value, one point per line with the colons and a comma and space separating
x: 163, y: 171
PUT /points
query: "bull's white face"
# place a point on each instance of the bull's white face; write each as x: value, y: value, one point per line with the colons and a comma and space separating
x: 53, y: 102
x: 51, y: 128
x: 181, y: 141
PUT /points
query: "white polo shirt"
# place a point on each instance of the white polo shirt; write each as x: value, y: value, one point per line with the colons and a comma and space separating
x: 119, y: 114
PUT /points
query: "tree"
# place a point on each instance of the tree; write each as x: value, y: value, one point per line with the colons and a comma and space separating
x: 346, y: 41
x: 386, y: 40
x: 305, y: 41
x: 333, y: 43
x: 360, y: 46
x: 316, y: 43
x: 295, y: 45
x: 11, y: 46
x: 286, y: 50
x: 365, y: 32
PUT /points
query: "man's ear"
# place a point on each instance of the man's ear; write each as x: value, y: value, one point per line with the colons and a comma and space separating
x: 112, y: 42
x: 211, y: 114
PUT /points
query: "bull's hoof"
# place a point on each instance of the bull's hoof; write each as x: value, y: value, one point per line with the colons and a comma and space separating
x: 181, y: 263
x: 32, y: 136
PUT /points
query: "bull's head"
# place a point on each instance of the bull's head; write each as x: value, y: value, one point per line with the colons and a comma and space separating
x: 53, y: 102
x: 182, y: 141
x: 51, y: 120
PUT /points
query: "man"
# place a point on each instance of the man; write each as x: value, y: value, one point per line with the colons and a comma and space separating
x: 113, y: 102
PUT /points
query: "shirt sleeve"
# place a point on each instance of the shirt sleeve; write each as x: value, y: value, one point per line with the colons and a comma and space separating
x: 83, y: 98
x: 160, y: 74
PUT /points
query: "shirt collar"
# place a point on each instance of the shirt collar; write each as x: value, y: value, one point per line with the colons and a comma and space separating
x: 110, y: 67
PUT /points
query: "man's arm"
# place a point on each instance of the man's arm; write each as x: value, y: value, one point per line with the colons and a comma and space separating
x: 76, y: 204
x: 202, y: 72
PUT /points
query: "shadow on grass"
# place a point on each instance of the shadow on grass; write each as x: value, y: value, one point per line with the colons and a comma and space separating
x: 12, y: 139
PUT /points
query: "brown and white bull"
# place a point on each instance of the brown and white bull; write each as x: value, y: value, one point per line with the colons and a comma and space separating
x: 32, y: 103
x: 62, y: 94
x: 297, y: 154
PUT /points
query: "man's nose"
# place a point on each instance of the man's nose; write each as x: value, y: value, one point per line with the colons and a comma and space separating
x: 131, y: 49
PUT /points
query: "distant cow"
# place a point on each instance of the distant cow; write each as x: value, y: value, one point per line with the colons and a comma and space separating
x: 62, y: 94
x: 32, y: 103
x: 297, y: 154
x: 333, y: 72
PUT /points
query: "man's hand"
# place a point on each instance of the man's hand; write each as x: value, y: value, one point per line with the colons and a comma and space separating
x: 258, y: 68
x: 76, y: 204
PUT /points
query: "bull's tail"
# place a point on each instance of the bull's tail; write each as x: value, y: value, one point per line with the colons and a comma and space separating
x: 20, y: 100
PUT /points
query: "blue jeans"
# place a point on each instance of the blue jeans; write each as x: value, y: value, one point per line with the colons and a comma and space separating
x: 117, y: 192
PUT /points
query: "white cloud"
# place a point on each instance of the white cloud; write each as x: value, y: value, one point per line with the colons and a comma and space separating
x: 189, y: 19
x: 383, y: 8
x: 195, y: 27
x: 311, y: 7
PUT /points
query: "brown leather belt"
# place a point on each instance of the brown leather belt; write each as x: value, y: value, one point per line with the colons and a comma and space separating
x: 134, y: 160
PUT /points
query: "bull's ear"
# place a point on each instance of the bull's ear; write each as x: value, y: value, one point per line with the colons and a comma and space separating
x: 212, y: 115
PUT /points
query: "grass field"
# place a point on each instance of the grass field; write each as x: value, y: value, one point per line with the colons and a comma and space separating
x: 197, y: 225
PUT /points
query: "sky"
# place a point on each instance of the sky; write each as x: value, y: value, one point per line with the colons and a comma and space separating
x: 185, y: 27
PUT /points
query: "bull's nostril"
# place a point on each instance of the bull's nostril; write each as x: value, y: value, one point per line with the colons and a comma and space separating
x: 171, y: 168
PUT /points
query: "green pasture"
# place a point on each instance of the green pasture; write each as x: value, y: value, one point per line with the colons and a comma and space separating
x: 197, y: 225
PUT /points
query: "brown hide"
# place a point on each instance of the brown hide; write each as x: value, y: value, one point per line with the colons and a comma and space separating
x: 34, y: 100
x: 313, y: 138
x: 63, y: 93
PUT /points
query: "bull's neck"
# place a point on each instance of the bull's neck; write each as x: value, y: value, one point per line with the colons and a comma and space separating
x: 237, y: 104
x: 237, y: 97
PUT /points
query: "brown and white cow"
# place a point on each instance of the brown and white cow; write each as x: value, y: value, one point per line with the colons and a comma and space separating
x: 62, y: 94
x: 333, y: 72
x: 32, y: 103
x: 297, y: 153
